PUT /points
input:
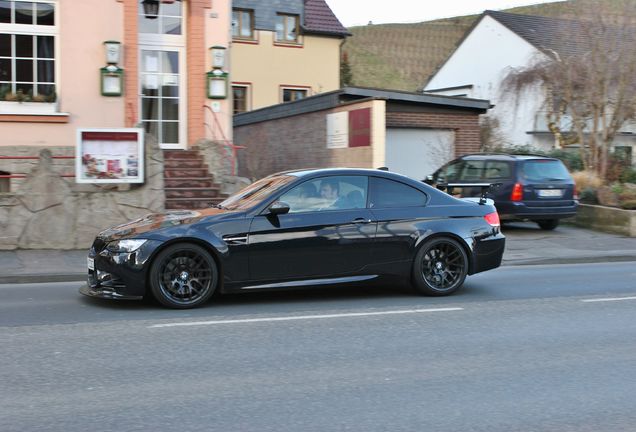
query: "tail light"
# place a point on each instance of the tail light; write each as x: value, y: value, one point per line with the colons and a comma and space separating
x: 576, y: 193
x: 517, y: 192
x: 493, y: 219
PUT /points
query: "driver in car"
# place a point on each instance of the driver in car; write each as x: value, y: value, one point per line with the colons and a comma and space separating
x: 330, y: 192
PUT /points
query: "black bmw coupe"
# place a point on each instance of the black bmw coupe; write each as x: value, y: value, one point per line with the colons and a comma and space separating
x: 300, y: 229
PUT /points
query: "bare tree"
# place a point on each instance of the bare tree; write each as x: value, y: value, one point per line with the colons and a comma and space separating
x: 589, y: 80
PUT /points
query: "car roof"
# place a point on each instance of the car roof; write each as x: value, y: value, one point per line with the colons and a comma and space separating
x: 502, y: 156
x: 317, y: 172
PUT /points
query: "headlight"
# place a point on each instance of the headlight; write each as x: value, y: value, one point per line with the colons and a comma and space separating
x: 125, y: 246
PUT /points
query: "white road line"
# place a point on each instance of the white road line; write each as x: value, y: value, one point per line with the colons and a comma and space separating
x: 303, y: 317
x: 607, y: 299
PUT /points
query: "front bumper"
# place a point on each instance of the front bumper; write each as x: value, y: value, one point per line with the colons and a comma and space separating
x: 120, y: 276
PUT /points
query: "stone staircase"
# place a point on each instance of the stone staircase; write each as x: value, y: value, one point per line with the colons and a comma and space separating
x: 187, y: 182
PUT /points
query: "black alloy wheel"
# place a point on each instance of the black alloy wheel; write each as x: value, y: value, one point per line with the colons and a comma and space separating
x: 440, y: 267
x: 183, y: 276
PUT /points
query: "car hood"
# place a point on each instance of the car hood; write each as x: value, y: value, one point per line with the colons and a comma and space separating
x: 157, y: 221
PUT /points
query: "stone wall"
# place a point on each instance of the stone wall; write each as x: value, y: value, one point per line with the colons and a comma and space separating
x: 608, y: 219
x: 47, y: 211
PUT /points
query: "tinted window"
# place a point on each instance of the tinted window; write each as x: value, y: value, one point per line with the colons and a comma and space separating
x: 256, y: 192
x: 473, y: 170
x: 389, y: 194
x: 449, y: 173
x: 328, y: 193
x: 544, y: 170
x: 497, y: 170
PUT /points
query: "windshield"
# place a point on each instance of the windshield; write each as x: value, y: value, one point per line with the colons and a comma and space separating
x: 256, y: 192
x: 545, y: 169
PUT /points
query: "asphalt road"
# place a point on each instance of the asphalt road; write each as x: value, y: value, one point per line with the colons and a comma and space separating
x: 529, y: 348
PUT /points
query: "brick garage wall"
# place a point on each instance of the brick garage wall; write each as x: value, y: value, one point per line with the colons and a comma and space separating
x: 294, y: 143
x: 465, y: 125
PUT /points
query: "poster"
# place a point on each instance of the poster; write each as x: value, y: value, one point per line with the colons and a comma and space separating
x: 109, y: 156
x: 338, y: 130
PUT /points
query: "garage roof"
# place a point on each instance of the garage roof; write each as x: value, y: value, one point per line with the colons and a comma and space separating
x: 332, y: 99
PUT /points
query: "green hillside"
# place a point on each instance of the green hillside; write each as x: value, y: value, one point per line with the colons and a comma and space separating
x: 403, y: 56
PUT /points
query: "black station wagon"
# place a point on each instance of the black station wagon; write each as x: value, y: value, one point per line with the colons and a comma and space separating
x: 534, y: 188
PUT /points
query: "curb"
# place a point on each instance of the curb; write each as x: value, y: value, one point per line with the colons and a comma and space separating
x: 43, y: 278
x: 571, y: 260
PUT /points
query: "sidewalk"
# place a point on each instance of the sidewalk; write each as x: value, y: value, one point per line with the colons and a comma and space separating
x: 526, y: 244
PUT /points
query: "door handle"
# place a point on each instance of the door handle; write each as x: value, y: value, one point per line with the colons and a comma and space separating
x: 361, y: 221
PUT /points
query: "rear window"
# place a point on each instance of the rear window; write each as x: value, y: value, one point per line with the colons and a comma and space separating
x: 544, y: 170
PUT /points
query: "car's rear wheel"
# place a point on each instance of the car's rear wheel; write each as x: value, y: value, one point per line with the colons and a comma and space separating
x: 548, y: 224
x: 183, y: 276
x: 440, y: 267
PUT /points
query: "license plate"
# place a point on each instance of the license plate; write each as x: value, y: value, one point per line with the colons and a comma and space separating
x: 549, y: 193
x: 91, y: 263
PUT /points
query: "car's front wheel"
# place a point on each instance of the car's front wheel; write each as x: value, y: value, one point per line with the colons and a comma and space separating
x: 183, y: 276
x: 440, y: 267
x: 548, y: 224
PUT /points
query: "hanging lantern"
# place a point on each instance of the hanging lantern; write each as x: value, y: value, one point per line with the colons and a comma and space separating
x: 151, y: 8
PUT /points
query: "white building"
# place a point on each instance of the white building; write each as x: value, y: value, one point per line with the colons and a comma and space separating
x: 498, y: 43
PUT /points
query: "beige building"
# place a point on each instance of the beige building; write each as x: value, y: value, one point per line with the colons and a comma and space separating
x: 52, y: 54
x: 282, y: 51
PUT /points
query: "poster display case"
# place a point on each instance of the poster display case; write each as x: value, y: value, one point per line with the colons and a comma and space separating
x: 110, y: 156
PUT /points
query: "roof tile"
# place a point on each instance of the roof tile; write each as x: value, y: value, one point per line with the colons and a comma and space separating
x: 319, y: 18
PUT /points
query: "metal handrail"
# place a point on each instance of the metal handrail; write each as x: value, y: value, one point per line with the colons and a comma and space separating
x: 226, y: 142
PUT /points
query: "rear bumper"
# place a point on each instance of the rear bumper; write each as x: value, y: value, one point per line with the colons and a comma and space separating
x: 488, y: 253
x: 535, y: 211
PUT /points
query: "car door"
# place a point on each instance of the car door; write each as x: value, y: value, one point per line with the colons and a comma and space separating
x: 398, y: 209
x: 323, y: 235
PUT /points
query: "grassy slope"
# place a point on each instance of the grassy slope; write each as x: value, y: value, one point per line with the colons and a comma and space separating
x: 403, y: 56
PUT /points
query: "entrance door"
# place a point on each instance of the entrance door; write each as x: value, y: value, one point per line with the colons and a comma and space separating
x: 162, y: 101
x: 162, y: 72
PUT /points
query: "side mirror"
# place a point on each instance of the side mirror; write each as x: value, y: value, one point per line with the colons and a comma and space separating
x: 279, y: 208
x: 429, y: 180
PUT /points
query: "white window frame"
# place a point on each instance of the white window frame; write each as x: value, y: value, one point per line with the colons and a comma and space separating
x: 248, y: 95
x: 36, y: 108
x: 307, y: 91
x: 165, y: 42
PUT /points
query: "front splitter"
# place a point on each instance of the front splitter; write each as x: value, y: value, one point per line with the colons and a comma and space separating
x: 106, y: 293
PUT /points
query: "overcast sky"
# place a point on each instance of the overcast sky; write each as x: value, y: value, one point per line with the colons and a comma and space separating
x: 360, y: 12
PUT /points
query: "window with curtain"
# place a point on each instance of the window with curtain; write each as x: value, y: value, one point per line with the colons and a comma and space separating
x: 27, y: 51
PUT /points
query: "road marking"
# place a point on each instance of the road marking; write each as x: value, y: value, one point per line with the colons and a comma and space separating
x: 303, y: 317
x: 608, y: 299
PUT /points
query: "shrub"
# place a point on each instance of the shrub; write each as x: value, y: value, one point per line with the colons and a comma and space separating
x: 628, y: 176
x: 588, y: 196
x: 629, y: 205
x: 587, y: 180
x: 571, y: 158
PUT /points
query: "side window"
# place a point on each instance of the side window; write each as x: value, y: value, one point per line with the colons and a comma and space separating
x: 497, y: 170
x: 328, y: 193
x: 449, y: 173
x: 387, y: 193
x: 473, y: 170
